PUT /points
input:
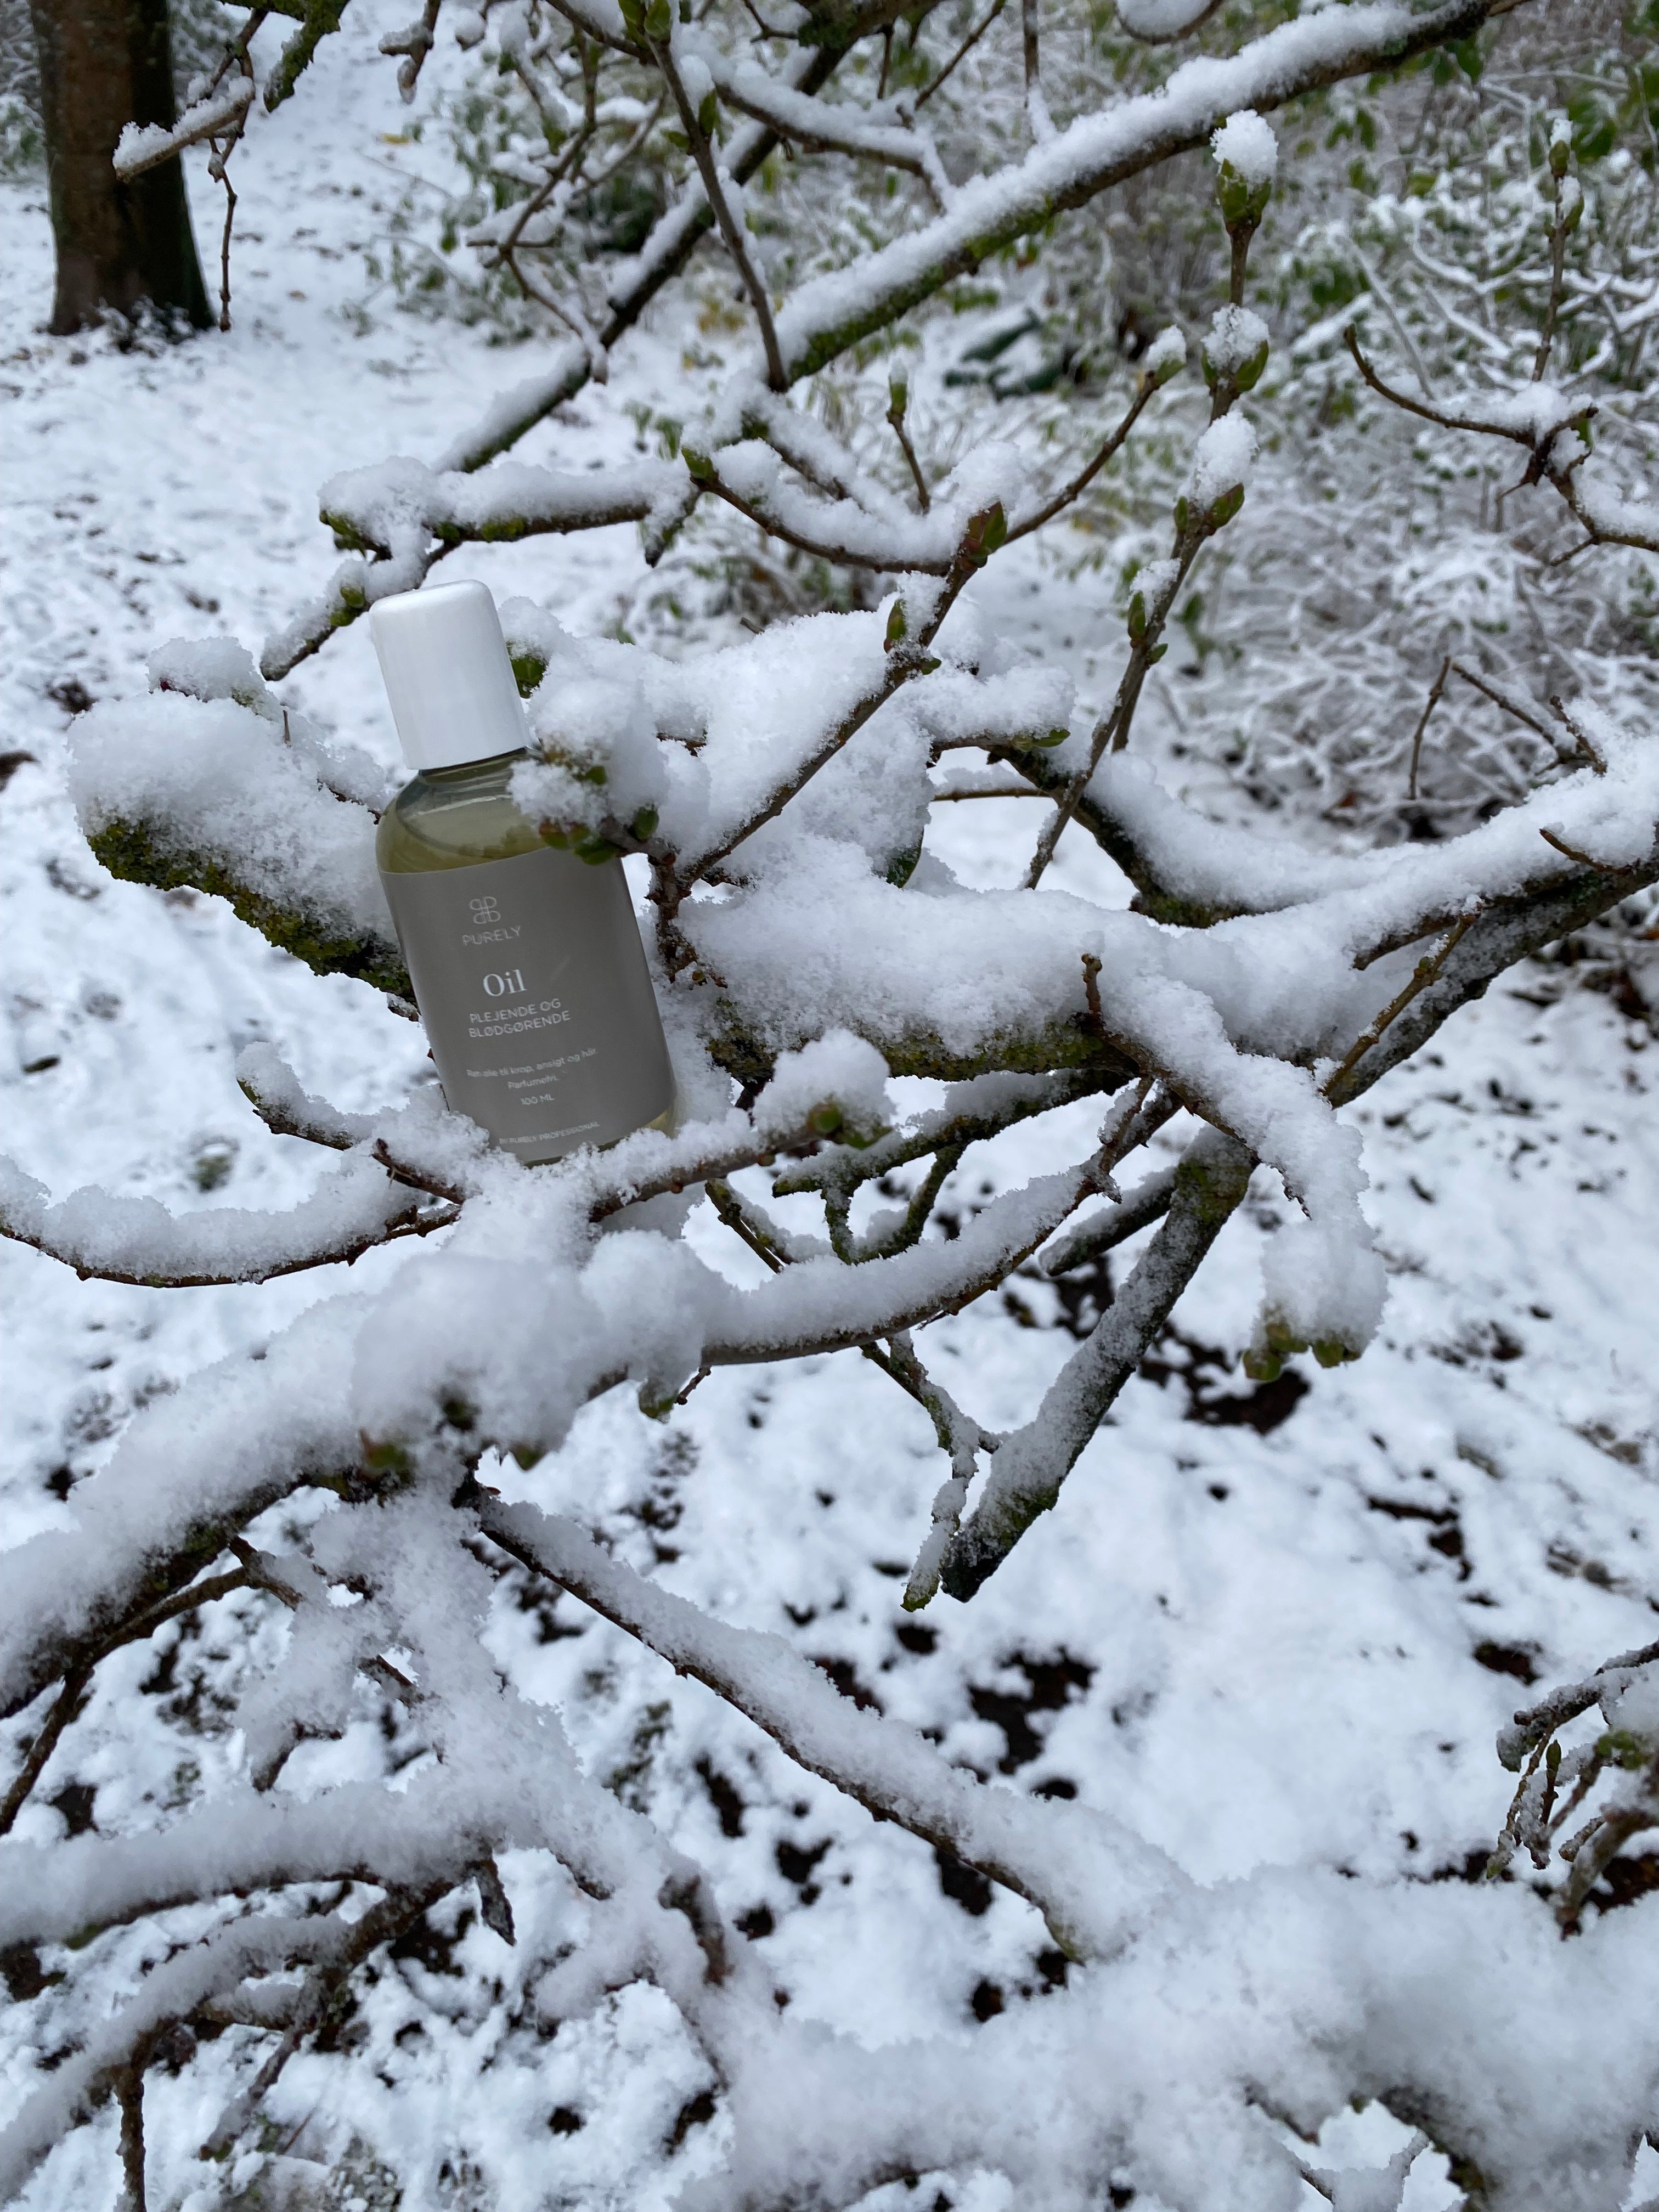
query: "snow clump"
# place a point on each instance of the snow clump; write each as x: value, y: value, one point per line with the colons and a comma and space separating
x: 836, y: 1084
x: 1222, y: 461
x: 1238, y: 343
x: 1245, y: 144
x: 1166, y: 354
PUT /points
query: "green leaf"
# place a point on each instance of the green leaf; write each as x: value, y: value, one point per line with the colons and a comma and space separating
x: 528, y: 669
x: 986, y: 530
x: 1249, y: 372
x: 1242, y: 203
x: 1621, y: 1749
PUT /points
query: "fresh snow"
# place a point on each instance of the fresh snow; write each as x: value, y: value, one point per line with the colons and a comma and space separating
x: 1245, y: 143
x: 1281, y: 1633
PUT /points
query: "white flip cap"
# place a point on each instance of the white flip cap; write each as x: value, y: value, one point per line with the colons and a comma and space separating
x: 447, y: 675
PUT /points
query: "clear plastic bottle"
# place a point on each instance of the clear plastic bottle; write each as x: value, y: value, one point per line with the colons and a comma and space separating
x: 526, y: 961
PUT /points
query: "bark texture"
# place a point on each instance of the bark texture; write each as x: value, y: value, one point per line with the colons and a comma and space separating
x: 104, y: 63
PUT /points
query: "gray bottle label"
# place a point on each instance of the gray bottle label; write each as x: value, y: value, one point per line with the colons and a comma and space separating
x: 531, y: 981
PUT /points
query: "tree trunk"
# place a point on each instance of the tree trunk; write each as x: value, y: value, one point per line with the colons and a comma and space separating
x: 104, y: 63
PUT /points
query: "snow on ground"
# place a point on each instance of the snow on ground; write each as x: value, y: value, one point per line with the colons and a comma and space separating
x: 1270, y: 1626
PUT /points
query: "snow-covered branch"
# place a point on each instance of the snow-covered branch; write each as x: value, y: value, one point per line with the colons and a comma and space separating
x: 137, y: 1240
x: 146, y: 146
x: 365, y: 1538
x: 1084, y: 1872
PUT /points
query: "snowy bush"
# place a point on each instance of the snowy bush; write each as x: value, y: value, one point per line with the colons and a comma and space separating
x: 353, y: 1512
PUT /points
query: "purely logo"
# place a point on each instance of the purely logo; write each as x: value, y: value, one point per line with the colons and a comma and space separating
x: 483, y: 910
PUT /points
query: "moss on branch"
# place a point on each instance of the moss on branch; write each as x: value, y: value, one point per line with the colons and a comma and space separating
x: 1040, y: 1051
x: 132, y: 851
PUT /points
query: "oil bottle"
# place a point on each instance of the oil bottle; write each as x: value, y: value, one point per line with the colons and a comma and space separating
x: 526, y: 962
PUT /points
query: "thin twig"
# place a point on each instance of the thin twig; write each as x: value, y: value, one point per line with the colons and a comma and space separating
x: 738, y: 1218
x: 1502, y: 699
x: 990, y: 791
x: 68, y: 1705
x: 1591, y: 750
x: 1037, y: 108
x: 1433, y: 700
x: 1557, y: 265
x: 71, y: 1699
x: 1168, y: 38
x: 1085, y: 476
x: 224, y: 242
x: 1113, y: 728
x: 1422, y: 976
x: 1580, y: 859
x: 729, y: 229
x: 896, y: 411
x: 382, y: 1923
x: 418, y: 1178
x: 130, y: 2094
x: 961, y: 53
x: 415, y: 43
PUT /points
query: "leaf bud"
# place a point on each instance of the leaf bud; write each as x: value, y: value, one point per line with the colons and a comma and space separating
x: 1623, y: 1748
x: 528, y: 669
x: 986, y: 530
x: 1138, y: 617
x: 708, y: 114
x: 1246, y: 157
x: 1242, y: 202
x: 1248, y: 374
x: 697, y: 464
x: 1560, y: 146
x: 897, y: 627
x: 1165, y: 357
x: 898, y: 396
x: 658, y: 20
